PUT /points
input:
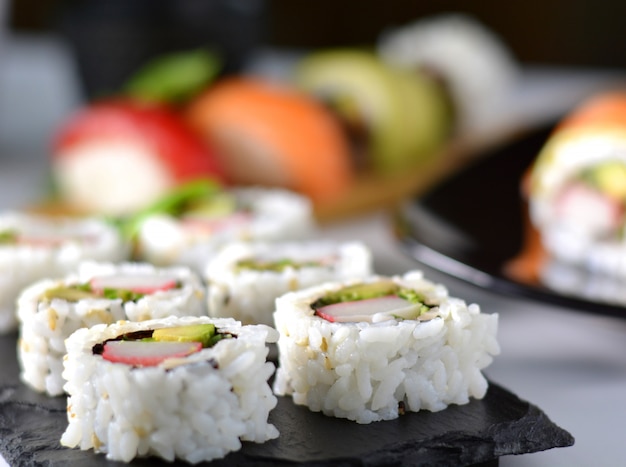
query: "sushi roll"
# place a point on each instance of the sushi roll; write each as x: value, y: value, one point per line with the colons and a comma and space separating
x: 577, y: 187
x: 478, y: 69
x: 50, y: 310
x: 177, y: 388
x: 33, y: 247
x: 374, y: 349
x: 396, y: 119
x: 193, y: 235
x: 269, y: 134
x: 244, y: 279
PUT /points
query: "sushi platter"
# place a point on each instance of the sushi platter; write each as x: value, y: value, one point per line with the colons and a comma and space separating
x: 149, y: 376
x: 392, y: 368
x: 475, y: 226
x: 112, y: 365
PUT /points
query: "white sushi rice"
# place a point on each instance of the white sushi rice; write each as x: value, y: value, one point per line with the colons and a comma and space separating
x: 573, y: 239
x: 273, y: 215
x: 46, y: 323
x: 59, y: 245
x: 196, y: 409
x: 369, y: 372
x: 248, y: 295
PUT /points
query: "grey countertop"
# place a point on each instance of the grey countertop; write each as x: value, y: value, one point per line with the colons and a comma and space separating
x: 570, y: 364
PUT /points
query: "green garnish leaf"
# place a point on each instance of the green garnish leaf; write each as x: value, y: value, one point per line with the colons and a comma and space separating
x: 174, y: 203
x: 175, y: 77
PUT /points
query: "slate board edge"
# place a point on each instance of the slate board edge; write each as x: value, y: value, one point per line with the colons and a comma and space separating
x: 440, y: 450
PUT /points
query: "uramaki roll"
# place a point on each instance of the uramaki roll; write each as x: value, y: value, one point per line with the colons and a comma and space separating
x: 372, y: 349
x: 33, y: 247
x: 177, y: 388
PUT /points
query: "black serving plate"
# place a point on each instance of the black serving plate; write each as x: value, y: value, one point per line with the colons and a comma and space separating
x: 477, y: 433
x: 474, y: 224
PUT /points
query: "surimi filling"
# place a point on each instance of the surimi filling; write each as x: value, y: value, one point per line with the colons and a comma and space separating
x: 374, y: 302
x: 216, y: 213
x: 595, y: 201
x: 138, y: 353
x: 129, y: 287
x: 154, y: 347
x: 138, y: 283
x: 208, y: 225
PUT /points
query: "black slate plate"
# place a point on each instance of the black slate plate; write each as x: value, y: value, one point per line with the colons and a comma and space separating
x: 473, y: 224
x: 474, y: 434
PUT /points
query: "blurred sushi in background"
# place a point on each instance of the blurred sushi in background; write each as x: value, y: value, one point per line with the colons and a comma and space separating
x: 340, y: 122
x: 190, y: 225
x: 245, y: 278
x: 577, y: 187
x: 272, y: 135
x: 34, y: 247
x: 116, y: 156
x: 474, y: 65
x: 394, y: 118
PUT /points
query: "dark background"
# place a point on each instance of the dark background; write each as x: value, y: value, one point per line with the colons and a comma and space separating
x: 122, y: 33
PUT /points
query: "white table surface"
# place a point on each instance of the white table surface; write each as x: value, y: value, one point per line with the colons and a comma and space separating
x: 570, y: 364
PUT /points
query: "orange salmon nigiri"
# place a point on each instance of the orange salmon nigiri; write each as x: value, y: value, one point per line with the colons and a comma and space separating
x: 273, y: 136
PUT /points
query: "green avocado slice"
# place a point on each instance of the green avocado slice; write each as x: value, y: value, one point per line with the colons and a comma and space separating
x: 204, y: 333
x: 358, y: 292
x: 406, y: 114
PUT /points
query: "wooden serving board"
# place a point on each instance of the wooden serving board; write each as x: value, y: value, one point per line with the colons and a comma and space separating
x: 374, y: 192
